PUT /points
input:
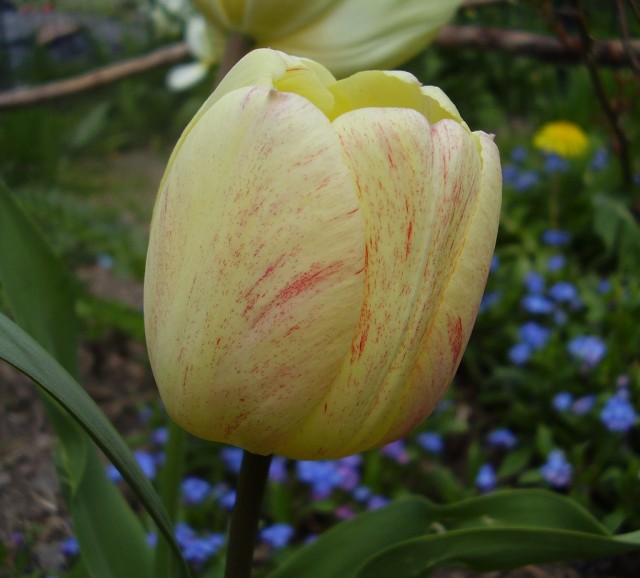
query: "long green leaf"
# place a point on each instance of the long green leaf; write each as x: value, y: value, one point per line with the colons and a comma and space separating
x: 490, y: 549
x: 41, y: 296
x: 339, y: 552
x: 24, y: 353
x: 497, y: 531
x: 39, y: 290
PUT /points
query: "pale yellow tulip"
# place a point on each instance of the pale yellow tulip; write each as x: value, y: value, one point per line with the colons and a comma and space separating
x: 318, y: 253
x: 346, y: 36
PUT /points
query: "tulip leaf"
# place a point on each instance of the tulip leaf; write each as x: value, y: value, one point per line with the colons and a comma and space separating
x: 341, y: 550
x: 37, y: 287
x: 41, y: 296
x: 20, y: 350
x: 498, y: 531
x: 491, y: 549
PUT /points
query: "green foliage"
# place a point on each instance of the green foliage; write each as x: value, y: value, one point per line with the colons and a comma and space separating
x: 41, y: 296
x: 413, y: 536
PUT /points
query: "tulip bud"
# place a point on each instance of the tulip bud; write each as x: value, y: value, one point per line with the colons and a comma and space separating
x: 318, y: 253
x: 343, y: 35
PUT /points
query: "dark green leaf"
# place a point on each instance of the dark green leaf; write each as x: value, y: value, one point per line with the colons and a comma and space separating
x: 490, y: 549
x: 21, y: 351
x: 340, y: 551
x: 39, y: 290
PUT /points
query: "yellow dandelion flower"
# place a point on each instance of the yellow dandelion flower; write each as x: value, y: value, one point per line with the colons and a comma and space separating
x: 563, y: 138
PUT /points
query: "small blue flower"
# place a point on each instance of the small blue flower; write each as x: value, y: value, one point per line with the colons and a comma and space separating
x: 160, y: 436
x: 520, y: 353
x: 322, y: 476
x: 563, y: 292
x: 589, y: 349
x: 195, y: 490
x: 146, y: 461
x: 560, y: 317
x: 200, y: 549
x: 349, y: 472
x: 396, y: 451
x: 510, y: 174
x: 519, y: 154
x: 526, y: 180
x: 431, y: 442
x: 489, y: 299
x: 555, y: 263
x: 486, y: 478
x: 227, y: 500
x: 278, y: 469
x: 557, y: 470
x: 502, y: 438
x: 534, y: 334
x: 618, y: 414
x: 232, y: 458
x: 70, y: 547
x: 600, y: 159
x: 152, y: 539
x: 604, y: 286
x: 562, y: 401
x: 495, y: 264
x: 555, y: 237
x: 555, y: 164
x: 534, y: 282
x: 362, y: 493
x: 536, y: 304
x: 277, y: 535
x: 377, y: 502
x: 583, y: 404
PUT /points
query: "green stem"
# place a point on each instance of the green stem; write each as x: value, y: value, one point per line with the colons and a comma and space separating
x: 246, y: 514
x: 170, y: 493
x: 237, y: 46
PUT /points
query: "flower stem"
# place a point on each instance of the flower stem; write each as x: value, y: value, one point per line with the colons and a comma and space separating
x: 170, y: 492
x: 237, y: 46
x: 246, y: 514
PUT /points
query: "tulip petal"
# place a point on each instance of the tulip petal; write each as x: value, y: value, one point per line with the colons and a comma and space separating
x: 354, y: 35
x: 420, y: 189
x: 254, y: 276
x: 264, y: 19
x: 183, y: 76
x: 442, y: 347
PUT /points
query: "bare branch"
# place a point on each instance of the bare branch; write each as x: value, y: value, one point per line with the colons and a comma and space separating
x: 515, y: 42
x: 570, y: 51
x: 22, y: 97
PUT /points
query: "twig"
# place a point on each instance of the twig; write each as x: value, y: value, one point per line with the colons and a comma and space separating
x: 626, y: 39
x: 515, y: 42
x: 621, y: 142
x: 23, y: 97
x: 605, y: 52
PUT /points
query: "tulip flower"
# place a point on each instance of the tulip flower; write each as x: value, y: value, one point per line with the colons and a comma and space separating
x: 317, y: 256
x: 344, y: 35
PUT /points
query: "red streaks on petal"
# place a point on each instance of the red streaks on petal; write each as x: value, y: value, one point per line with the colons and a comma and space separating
x: 236, y: 423
x: 303, y: 283
x: 253, y: 294
x: 292, y: 329
x: 454, y: 329
x: 409, y: 238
